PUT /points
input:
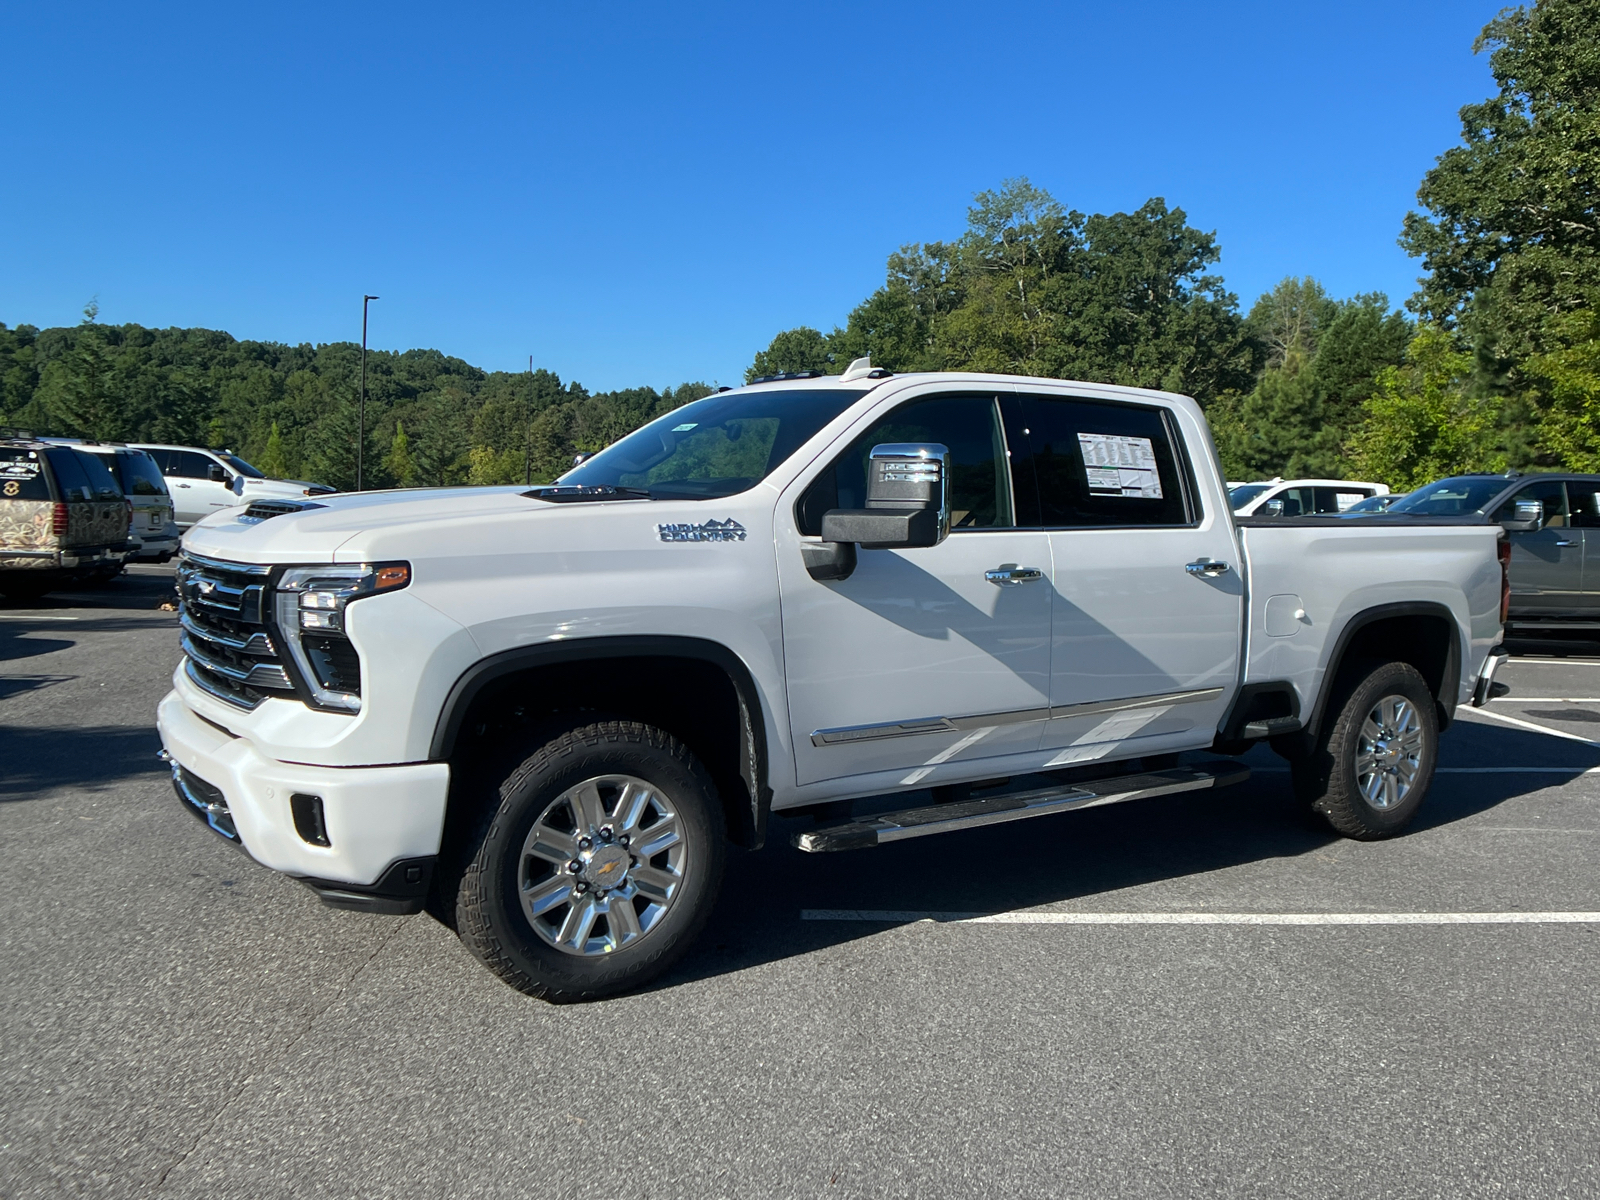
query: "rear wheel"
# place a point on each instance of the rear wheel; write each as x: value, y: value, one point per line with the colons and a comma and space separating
x: 595, y: 864
x: 1373, y: 764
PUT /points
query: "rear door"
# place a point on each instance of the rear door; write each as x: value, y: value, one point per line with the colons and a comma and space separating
x: 1144, y: 650
x: 1583, y: 503
x: 1546, y: 565
x: 918, y: 663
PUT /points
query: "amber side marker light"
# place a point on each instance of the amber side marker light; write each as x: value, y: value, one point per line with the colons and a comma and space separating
x: 392, y: 577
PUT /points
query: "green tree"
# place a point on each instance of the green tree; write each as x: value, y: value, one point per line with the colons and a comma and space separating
x: 402, y: 470
x: 1511, y: 234
x: 1570, y: 377
x: 1421, y: 423
x: 799, y: 349
x: 273, y: 461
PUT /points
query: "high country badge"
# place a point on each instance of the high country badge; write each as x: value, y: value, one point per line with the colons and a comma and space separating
x: 712, y: 531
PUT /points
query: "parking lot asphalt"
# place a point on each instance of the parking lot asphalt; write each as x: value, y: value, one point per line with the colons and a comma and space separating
x: 177, y: 1021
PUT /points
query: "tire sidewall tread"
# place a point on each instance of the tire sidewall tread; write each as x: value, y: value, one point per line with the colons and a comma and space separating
x: 496, y: 932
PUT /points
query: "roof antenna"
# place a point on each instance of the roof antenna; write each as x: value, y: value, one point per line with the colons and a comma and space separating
x: 860, y: 368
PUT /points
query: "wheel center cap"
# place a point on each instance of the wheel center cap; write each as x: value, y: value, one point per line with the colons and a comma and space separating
x: 605, y: 868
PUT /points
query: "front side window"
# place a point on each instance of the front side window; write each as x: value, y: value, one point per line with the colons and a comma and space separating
x: 1240, y: 496
x: 1087, y: 463
x: 969, y: 426
x: 186, y: 464
x: 719, y: 446
x: 1552, y: 497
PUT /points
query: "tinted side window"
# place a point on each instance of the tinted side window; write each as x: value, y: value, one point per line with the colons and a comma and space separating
x: 1338, y: 500
x: 980, y: 487
x: 186, y: 464
x: 1551, y: 494
x: 1584, y: 498
x: 70, y: 479
x: 1093, y: 463
x: 139, y: 475
x: 22, y: 475
x: 97, y: 471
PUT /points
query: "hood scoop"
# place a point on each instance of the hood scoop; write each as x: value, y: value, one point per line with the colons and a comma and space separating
x: 261, y: 510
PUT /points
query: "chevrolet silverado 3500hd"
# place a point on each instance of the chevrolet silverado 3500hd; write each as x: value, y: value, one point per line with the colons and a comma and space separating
x: 548, y: 709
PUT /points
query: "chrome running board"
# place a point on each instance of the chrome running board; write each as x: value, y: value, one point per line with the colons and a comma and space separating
x: 1017, y: 806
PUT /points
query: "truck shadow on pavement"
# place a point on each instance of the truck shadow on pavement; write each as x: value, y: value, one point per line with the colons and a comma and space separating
x: 1077, y: 856
x: 33, y: 761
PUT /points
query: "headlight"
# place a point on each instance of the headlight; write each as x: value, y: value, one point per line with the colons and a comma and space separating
x: 310, y: 610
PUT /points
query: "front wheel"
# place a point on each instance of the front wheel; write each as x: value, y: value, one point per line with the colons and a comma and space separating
x: 595, y: 864
x: 1372, y: 766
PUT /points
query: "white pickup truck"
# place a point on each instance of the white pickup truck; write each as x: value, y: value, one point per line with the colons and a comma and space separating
x: 904, y: 605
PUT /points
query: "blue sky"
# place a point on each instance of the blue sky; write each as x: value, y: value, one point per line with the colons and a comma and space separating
x: 642, y: 193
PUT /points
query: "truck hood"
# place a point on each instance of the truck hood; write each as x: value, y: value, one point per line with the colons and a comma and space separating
x: 333, y: 523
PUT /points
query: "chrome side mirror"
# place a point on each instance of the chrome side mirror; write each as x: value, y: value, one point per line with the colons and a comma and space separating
x: 908, y: 500
x: 1527, y: 517
x: 1272, y: 508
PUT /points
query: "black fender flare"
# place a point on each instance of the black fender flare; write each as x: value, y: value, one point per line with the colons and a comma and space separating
x: 753, y: 764
x: 1450, y: 677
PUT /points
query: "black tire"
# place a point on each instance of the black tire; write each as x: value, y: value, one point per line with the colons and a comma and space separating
x: 1327, y: 778
x: 493, y: 869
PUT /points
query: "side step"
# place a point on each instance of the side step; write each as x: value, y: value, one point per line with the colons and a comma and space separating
x: 968, y: 814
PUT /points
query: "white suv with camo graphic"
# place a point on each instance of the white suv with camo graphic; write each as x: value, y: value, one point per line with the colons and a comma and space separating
x: 854, y: 609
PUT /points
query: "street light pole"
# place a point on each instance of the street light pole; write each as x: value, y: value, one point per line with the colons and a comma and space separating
x: 361, y: 411
x: 527, y: 433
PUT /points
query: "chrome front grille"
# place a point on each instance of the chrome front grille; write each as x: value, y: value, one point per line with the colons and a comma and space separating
x: 222, y: 608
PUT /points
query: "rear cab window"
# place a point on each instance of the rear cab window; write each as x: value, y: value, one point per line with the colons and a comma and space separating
x: 1082, y: 464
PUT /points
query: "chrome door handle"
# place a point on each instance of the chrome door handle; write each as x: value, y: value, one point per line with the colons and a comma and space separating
x: 1009, y: 575
x: 1208, y: 568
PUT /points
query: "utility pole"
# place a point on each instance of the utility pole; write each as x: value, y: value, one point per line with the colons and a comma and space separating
x: 361, y: 410
x: 527, y: 438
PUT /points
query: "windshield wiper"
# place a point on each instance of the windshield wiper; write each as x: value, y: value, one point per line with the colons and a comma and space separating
x: 567, y: 493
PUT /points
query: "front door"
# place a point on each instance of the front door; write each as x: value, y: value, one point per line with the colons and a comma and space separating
x: 1583, y: 503
x: 1547, y: 564
x: 919, y: 663
x: 195, y: 494
x: 1146, y: 623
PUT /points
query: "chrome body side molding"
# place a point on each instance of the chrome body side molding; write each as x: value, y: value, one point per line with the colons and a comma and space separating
x: 920, y: 725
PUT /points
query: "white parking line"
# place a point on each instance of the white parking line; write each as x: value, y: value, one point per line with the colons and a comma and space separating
x: 36, y: 617
x: 895, y: 917
x: 1545, y: 700
x: 1521, y: 724
x: 1470, y: 770
x: 1554, y: 662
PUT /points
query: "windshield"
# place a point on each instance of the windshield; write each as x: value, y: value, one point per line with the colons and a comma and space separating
x: 714, y: 447
x: 1244, y: 493
x: 239, y: 465
x: 1373, y: 504
x: 1450, y: 497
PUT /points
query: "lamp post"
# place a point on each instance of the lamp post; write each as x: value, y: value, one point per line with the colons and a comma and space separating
x: 527, y: 433
x: 361, y: 410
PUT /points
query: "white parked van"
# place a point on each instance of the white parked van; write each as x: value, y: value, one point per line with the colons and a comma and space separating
x: 1300, y: 497
x: 206, y: 481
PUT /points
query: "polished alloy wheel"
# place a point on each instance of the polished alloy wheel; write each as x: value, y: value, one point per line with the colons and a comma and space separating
x: 1389, y: 752
x: 602, y: 865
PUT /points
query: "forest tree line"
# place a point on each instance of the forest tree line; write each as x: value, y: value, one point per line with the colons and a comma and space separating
x: 1493, y: 364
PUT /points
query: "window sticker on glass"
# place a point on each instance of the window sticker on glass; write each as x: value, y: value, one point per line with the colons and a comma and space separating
x: 1120, y: 466
x: 1346, y: 499
x: 18, y: 469
x: 686, y: 428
